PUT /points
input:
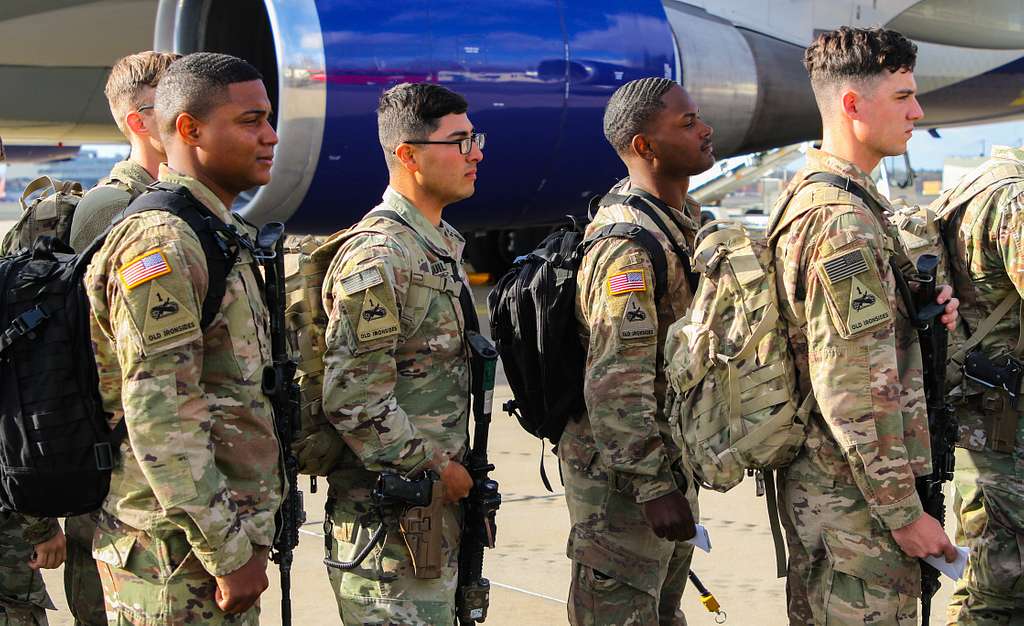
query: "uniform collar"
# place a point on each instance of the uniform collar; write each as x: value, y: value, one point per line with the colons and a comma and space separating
x: 821, y: 161
x: 444, y: 236
x: 132, y: 174
x: 687, y: 216
x: 1006, y: 152
x: 198, y: 189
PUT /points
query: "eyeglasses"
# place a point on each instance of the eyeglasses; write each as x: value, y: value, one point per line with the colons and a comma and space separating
x: 144, y: 107
x: 465, y: 145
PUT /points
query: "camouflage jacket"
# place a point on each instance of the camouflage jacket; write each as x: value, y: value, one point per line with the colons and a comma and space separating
x: 201, y: 454
x: 623, y: 331
x: 396, y: 369
x: 95, y: 212
x: 854, y: 344
x: 987, y: 265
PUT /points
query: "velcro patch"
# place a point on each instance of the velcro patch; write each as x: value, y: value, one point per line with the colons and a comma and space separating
x: 166, y: 319
x: 144, y: 268
x: 627, y: 282
x: 362, y: 280
x: 845, y: 265
x: 857, y: 300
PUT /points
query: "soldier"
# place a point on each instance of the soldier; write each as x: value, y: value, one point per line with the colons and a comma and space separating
x: 396, y: 377
x: 630, y: 503
x: 184, y: 535
x: 27, y: 544
x: 130, y: 89
x: 983, y: 237
x: 855, y: 524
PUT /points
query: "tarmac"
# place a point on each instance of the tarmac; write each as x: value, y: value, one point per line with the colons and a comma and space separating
x: 528, y: 569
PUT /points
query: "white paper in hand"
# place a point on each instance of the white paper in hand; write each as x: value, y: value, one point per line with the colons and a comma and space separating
x: 701, y: 539
x: 954, y: 570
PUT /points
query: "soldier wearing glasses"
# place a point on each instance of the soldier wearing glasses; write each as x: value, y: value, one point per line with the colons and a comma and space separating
x: 396, y: 377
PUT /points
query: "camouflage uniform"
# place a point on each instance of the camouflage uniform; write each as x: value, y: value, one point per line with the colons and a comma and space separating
x: 987, y: 266
x: 855, y: 348
x: 199, y: 481
x: 23, y: 597
x: 93, y: 215
x: 623, y: 452
x: 106, y: 200
x: 396, y: 386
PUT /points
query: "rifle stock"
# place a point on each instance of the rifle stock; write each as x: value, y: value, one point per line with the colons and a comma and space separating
x: 942, y: 425
x: 279, y: 385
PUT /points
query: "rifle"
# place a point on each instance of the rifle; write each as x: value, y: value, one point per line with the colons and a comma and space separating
x: 481, y: 505
x: 279, y: 385
x: 942, y: 423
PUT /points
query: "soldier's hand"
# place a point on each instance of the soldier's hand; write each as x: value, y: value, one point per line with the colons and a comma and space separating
x: 51, y: 553
x: 925, y: 537
x: 950, y: 317
x: 456, y: 481
x: 238, y: 591
x: 670, y: 517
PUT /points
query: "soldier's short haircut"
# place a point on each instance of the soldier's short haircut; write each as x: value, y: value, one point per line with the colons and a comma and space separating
x: 855, y: 54
x: 196, y: 84
x: 128, y: 78
x: 631, y: 108
x: 411, y: 112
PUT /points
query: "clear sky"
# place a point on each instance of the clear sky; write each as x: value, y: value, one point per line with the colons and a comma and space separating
x: 927, y: 152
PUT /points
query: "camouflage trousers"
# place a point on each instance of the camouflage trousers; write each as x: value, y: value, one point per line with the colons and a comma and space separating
x: 153, y: 580
x: 622, y: 573
x: 844, y: 568
x: 82, y: 585
x: 23, y: 597
x: 383, y: 589
x: 989, y: 506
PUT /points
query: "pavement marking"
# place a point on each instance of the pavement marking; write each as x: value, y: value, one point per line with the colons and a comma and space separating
x: 493, y: 582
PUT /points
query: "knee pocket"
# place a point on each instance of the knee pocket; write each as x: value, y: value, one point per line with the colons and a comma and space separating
x: 868, y: 580
x: 997, y: 555
x: 598, y: 598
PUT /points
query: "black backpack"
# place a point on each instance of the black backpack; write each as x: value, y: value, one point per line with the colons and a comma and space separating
x: 533, y: 318
x: 56, y: 448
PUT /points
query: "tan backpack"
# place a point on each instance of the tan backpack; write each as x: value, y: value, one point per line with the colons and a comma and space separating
x: 49, y: 213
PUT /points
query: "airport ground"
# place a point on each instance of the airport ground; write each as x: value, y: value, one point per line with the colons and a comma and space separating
x: 528, y: 569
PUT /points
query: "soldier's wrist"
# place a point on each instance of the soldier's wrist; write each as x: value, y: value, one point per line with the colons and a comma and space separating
x: 228, y: 557
x: 898, y: 514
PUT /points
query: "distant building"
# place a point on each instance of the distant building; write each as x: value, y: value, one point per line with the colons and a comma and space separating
x: 88, y: 168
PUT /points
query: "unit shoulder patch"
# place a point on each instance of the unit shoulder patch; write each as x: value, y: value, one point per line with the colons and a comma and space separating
x: 144, y: 268
x: 377, y: 320
x: 627, y: 282
x: 637, y: 321
x: 857, y: 300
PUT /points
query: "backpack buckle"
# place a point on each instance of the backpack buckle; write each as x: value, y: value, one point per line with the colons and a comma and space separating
x: 29, y: 320
x: 104, y: 456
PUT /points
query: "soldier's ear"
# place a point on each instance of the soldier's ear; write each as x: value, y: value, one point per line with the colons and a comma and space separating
x: 406, y: 155
x: 136, y: 123
x: 188, y: 129
x: 642, y: 148
x: 850, y: 102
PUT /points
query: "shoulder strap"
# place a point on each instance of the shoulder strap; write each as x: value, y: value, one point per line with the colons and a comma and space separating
x: 645, y: 203
x: 641, y: 235
x: 220, y: 242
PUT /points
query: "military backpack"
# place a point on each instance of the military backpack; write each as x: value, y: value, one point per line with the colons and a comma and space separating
x: 48, y: 213
x: 533, y: 315
x: 57, y: 450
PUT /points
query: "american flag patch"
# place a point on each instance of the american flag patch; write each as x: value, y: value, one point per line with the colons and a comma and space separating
x: 143, y: 268
x: 625, y: 282
x: 845, y: 266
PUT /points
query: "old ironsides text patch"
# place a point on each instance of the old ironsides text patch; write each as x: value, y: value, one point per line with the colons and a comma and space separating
x: 856, y: 298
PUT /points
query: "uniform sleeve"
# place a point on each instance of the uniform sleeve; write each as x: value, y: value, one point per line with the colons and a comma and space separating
x: 37, y: 530
x: 365, y: 288
x: 851, y: 303
x: 156, y: 280
x: 1010, y: 238
x: 616, y: 285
